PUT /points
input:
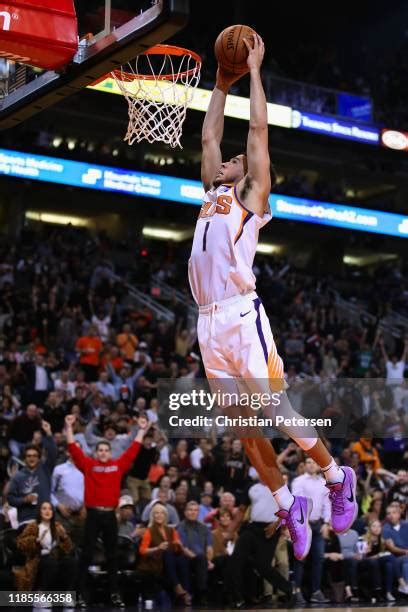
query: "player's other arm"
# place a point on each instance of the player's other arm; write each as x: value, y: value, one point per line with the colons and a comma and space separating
x: 255, y: 187
x: 213, y: 128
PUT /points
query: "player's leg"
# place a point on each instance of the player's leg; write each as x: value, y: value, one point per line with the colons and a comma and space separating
x: 262, y: 457
x: 213, y: 336
x: 261, y: 359
x: 244, y: 351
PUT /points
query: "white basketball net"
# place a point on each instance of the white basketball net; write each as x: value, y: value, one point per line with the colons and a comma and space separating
x: 158, y: 96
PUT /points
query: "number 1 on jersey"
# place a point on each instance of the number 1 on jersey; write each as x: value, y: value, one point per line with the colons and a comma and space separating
x: 207, y: 225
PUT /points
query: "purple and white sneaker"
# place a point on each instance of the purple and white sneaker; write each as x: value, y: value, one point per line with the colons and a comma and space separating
x: 343, y: 501
x: 297, y: 521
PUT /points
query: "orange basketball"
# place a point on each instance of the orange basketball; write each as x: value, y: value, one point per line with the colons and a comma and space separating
x: 230, y: 49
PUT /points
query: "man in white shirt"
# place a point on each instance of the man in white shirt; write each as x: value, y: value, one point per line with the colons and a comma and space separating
x: 198, y: 453
x: 64, y: 384
x: 102, y: 320
x: 313, y: 485
x: 395, y: 368
x: 67, y: 496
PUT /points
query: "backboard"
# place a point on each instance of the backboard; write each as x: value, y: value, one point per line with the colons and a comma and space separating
x: 110, y: 32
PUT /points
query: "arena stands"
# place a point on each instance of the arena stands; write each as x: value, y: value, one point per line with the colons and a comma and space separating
x: 73, y: 342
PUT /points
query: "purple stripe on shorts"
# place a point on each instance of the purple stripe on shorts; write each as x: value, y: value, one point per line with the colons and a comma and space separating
x: 257, y: 304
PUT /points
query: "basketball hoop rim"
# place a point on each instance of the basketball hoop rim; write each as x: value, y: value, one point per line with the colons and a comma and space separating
x: 122, y: 75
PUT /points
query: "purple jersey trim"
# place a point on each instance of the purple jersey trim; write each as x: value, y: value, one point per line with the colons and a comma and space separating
x: 247, y: 218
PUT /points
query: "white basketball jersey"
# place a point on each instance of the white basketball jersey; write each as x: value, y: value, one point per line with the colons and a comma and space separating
x: 224, y: 245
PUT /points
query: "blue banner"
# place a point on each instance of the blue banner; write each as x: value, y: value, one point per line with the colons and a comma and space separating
x: 359, y: 108
x: 337, y: 215
x: 171, y: 189
x: 339, y: 128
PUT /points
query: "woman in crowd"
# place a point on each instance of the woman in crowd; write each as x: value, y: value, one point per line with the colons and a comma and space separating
x: 381, y: 563
x: 224, y: 539
x: 375, y: 511
x: 162, y: 554
x: 334, y: 567
x: 227, y: 501
x: 181, y: 458
x: 164, y: 484
x: 47, y: 547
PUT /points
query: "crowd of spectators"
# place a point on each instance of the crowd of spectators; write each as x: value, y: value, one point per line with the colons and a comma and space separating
x: 72, y: 342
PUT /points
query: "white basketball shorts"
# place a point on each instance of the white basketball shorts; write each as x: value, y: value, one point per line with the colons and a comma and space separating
x: 236, y: 341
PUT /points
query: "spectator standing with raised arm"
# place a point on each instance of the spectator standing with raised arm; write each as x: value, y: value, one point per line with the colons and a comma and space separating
x: 394, y: 367
x: 103, y: 476
x: 32, y: 484
x: 124, y: 383
x: 102, y: 320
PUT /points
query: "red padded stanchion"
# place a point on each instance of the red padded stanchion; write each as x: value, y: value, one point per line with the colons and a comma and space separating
x: 42, y: 33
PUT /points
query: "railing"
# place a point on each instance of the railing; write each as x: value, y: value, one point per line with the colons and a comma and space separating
x: 169, y: 292
x: 161, y: 312
x: 315, y: 99
x: 393, y: 324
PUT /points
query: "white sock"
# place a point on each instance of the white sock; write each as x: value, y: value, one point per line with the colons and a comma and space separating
x: 333, y: 473
x: 283, y: 497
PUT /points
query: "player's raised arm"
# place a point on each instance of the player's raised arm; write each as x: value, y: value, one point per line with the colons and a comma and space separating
x: 255, y: 187
x: 213, y: 128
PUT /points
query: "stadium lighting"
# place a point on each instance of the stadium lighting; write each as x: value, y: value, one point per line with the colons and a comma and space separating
x: 368, y: 259
x: 266, y: 248
x: 161, y: 233
x: 56, y: 219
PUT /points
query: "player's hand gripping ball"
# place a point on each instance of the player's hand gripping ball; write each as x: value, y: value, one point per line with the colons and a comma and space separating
x: 230, y: 49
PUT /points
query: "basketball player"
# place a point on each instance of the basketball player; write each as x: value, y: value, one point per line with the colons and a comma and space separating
x: 234, y: 333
